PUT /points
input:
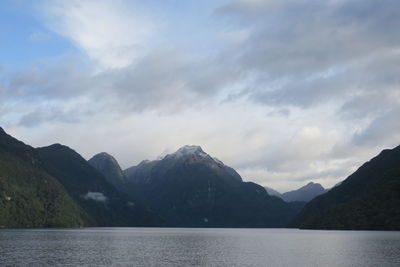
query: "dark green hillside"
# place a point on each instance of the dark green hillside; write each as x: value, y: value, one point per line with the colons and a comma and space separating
x: 105, y: 205
x: 368, y: 199
x: 29, y: 197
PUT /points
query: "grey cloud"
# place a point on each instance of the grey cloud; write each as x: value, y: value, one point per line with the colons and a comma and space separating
x: 169, y: 79
x: 367, y: 105
x: 297, y: 55
x: 341, y: 171
x: 62, y: 78
x: 164, y: 81
x: 51, y: 114
x: 285, y: 112
x: 297, y: 49
x: 385, y: 128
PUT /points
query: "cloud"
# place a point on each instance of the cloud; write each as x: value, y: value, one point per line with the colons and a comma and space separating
x: 167, y: 80
x: 50, y: 114
x: 113, y: 34
x: 172, y: 79
x: 60, y: 78
x: 304, y: 53
x: 385, y: 126
x: 284, y: 91
x: 96, y: 196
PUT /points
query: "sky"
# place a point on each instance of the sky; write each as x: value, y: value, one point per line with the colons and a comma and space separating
x: 284, y: 91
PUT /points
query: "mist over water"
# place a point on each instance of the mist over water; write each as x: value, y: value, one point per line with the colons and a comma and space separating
x: 197, y: 247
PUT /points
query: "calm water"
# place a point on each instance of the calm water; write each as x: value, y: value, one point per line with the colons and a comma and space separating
x: 197, y: 247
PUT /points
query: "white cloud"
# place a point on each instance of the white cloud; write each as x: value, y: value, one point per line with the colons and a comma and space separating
x: 309, y: 89
x: 112, y: 33
x: 97, y: 196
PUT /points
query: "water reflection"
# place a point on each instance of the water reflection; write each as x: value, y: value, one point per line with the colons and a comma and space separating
x: 198, y: 247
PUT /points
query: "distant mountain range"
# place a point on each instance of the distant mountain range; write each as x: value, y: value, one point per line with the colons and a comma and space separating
x: 191, y: 188
x: 55, y: 187
x: 304, y: 193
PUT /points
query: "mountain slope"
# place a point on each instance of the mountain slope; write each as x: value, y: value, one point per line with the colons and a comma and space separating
x: 305, y: 193
x: 368, y: 199
x: 30, y: 197
x: 190, y: 188
x: 109, y: 167
x: 105, y: 205
x: 272, y: 192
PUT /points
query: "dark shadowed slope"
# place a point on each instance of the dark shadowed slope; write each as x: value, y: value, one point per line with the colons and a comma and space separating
x: 305, y: 193
x: 367, y: 199
x: 109, y: 167
x: 89, y: 188
x: 190, y: 188
x: 29, y: 196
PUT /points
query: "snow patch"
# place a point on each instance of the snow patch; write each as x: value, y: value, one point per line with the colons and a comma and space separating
x: 97, y: 196
x: 189, y: 150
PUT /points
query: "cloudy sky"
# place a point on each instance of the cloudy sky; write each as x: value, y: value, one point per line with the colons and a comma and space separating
x: 286, y: 92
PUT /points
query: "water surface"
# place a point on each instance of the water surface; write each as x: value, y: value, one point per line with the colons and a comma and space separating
x: 197, y: 247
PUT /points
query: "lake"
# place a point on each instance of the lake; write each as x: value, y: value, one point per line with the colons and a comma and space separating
x: 197, y: 247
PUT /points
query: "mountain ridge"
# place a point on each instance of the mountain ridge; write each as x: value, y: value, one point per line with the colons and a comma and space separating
x: 54, y: 186
x: 367, y: 200
x: 29, y: 196
x: 191, y: 188
x: 104, y: 203
x: 272, y: 192
x: 304, y: 193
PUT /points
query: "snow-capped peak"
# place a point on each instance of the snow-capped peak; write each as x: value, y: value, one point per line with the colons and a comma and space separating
x: 189, y: 150
x: 195, y: 152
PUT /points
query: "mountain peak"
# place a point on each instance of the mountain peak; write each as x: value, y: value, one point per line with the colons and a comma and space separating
x: 109, y: 167
x: 313, y: 185
x: 304, y: 193
x: 103, y: 154
x: 189, y: 156
x: 189, y: 150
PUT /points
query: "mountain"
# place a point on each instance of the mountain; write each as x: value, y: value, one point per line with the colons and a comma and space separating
x: 109, y: 167
x: 55, y: 187
x: 105, y: 205
x: 189, y: 188
x: 272, y: 192
x: 29, y: 196
x: 369, y: 199
x: 305, y: 193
